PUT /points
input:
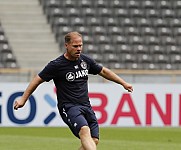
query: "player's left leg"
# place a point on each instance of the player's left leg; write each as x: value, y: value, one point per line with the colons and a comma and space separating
x: 86, y: 139
x: 96, y: 141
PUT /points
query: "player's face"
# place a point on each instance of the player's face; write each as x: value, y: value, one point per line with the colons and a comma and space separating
x: 74, y: 47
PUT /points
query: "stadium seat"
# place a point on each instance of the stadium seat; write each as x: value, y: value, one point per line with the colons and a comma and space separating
x: 147, y: 31
x: 151, y: 40
x: 173, y: 49
x: 93, y: 21
x: 72, y: 12
x: 176, y: 31
x: 135, y: 40
x: 175, y: 22
x: 88, y: 12
x: 83, y: 30
x: 88, y: 39
x: 168, y: 40
x: 98, y: 30
x: 167, y: 13
x: 3, y: 39
x: 48, y: 4
x: 144, y: 58
x: 110, y: 21
x: 161, y: 58
x: 131, y: 31
x: 168, y: 66
x: 114, y: 65
x: 84, y: 3
x: 107, y: 48
x: 124, y: 49
x: 60, y: 32
x: 164, y: 31
x: 120, y: 39
x: 101, y: 39
x: 176, y: 4
x: 151, y: 13
x: 90, y: 49
x: 76, y: 21
x: 157, y: 49
x: 175, y: 58
x: 143, y: 22
x: 147, y: 4
x: 69, y: 3
x: 134, y: 66
x: 116, y: 4
x: 101, y: 3
x: 115, y: 30
x: 59, y: 23
x: 132, y: 4
x: 126, y: 22
x: 97, y: 57
x: 136, y: 13
x: 120, y: 12
x: 163, y: 4
x: 53, y: 13
x: 140, y: 49
x: 104, y: 12
x: 159, y: 22
x: 151, y: 66
x: 110, y: 58
x: 127, y: 58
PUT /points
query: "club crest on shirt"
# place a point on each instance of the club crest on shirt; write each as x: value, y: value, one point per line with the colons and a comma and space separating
x: 76, y: 67
x: 70, y: 76
x: 83, y: 65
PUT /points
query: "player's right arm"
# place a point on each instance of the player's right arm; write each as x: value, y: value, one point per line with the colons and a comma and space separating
x: 29, y: 90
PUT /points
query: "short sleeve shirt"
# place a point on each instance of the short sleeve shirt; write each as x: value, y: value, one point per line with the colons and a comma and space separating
x: 70, y: 78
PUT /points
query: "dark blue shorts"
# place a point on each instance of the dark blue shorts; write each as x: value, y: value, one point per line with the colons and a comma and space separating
x: 78, y: 116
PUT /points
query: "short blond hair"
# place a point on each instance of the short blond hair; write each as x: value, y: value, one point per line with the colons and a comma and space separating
x: 69, y: 35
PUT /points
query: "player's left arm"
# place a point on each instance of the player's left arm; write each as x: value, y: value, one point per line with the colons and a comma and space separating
x: 110, y: 75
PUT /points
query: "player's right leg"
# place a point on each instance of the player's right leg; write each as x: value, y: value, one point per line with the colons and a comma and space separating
x: 86, y: 139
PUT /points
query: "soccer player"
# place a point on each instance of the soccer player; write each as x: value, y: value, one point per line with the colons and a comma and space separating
x: 70, y: 75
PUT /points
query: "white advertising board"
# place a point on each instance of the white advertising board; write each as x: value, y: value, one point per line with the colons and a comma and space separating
x: 148, y: 105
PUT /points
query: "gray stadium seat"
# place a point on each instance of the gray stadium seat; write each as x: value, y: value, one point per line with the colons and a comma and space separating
x: 132, y: 4
x: 90, y: 49
x: 173, y: 49
x: 175, y: 58
x: 84, y: 3
x: 157, y: 49
x: 110, y: 58
x: 163, y: 4
x: 140, y: 49
x: 147, y: 4
x: 116, y: 4
x: 124, y: 49
x: 144, y: 58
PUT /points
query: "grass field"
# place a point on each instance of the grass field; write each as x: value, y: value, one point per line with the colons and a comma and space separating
x: 54, y: 138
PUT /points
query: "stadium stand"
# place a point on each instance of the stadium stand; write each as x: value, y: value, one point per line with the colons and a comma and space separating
x: 122, y: 34
x: 7, y: 57
x: 28, y: 33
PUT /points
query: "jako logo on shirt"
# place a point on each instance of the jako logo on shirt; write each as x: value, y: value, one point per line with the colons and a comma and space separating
x: 70, y: 76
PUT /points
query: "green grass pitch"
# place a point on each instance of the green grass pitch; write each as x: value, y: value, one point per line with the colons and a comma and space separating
x: 59, y: 138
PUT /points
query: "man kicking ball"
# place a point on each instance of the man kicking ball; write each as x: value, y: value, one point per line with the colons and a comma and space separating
x: 70, y: 75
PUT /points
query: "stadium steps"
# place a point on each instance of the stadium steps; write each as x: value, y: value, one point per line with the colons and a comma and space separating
x: 28, y: 32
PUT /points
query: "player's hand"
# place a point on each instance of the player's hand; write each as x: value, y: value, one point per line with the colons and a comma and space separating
x: 18, y: 104
x: 128, y: 87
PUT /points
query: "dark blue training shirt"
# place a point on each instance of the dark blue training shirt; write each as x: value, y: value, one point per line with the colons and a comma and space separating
x: 70, y: 78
